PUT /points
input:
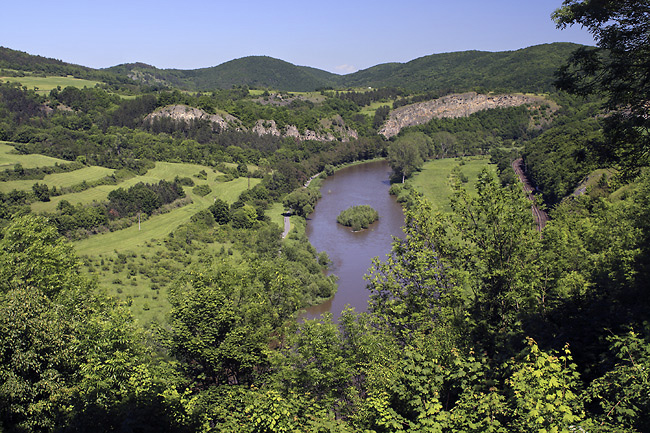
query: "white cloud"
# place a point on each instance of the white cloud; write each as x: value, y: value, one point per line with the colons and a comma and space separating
x: 346, y: 69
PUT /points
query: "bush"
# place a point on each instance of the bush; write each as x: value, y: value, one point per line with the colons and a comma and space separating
x: 202, y: 190
x: 358, y: 217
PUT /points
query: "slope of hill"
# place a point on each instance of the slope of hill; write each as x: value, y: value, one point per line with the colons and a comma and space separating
x: 254, y: 71
x: 526, y: 70
x: 21, y: 61
x: 13, y: 62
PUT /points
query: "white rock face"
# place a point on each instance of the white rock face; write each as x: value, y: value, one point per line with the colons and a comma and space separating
x: 187, y: 113
x: 262, y: 127
x: 458, y: 105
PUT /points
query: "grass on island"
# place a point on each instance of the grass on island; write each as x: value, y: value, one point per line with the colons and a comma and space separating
x: 435, y: 180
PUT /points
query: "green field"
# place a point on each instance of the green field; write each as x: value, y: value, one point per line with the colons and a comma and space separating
x: 60, y: 180
x: 46, y: 84
x: 275, y: 213
x: 435, y: 180
x: 370, y: 109
x: 163, y: 170
x: 159, y: 226
x: 144, y: 245
x: 8, y: 159
x: 103, y: 255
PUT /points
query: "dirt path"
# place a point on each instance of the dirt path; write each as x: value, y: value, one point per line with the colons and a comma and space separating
x: 540, y: 216
x: 310, y: 179
x: 287, y: 226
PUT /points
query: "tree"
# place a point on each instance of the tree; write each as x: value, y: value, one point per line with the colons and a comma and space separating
x: 41, y: 191
x: 70, y: 358
x: 32, y: 255
x: 222, y: 320
x: 244, y: 217
x: 481, y: 260
x: 221, y: 211
x: 406, y: 155
x: 618, y: 68
x: 302, y: 201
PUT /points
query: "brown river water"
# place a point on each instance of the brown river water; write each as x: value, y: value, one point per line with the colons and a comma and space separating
x: 352, y: 253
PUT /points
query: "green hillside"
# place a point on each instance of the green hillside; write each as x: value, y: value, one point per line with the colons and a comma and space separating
x: 526, y: 70
x: 253, y: 71
x: 18, y: 63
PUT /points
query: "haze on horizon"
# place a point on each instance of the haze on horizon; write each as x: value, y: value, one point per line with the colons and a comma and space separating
x: 336, y: 36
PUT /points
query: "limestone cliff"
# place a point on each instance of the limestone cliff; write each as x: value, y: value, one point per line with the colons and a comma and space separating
x: 187, y: 113
x: 329, y: 130
x: 457, y: 105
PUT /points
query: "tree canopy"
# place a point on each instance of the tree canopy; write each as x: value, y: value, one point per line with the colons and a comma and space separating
x: 619, y: 68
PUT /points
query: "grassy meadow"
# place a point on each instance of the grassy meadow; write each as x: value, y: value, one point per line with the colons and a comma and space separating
x: 369, y: 110
x: 134, y: 264
x: 8, y: 158
x: 122, y: 261
x: 435, y: 180
x: 60, y: 180
x: 45, y: 84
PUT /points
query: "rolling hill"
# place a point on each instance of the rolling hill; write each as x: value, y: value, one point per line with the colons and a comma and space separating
x: 527, y: 70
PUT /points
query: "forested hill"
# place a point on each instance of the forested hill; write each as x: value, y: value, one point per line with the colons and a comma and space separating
x: 527, y: 70
x: 254, y: 71
x: 13, y: 62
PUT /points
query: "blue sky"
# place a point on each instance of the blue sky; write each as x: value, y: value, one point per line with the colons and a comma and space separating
x: 339, y: 36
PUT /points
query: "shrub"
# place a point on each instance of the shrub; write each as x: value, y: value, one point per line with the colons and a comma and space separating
x: 202, y: 190
x: 358, y: 217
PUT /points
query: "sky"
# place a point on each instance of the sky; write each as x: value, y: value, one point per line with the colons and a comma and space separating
x: 340, y: 36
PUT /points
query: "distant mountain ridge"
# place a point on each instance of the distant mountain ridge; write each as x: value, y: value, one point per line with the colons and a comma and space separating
x: 526, y: 70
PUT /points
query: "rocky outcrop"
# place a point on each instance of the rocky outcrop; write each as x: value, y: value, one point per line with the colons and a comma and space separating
x: 266, y: 127
x: 457, y: 105
x: 331, y: 129
x: 186, y: 113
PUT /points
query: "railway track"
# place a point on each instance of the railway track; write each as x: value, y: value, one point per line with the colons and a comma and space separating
x: 540, y: 216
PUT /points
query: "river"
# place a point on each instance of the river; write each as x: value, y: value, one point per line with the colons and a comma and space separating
x: 351, y: 253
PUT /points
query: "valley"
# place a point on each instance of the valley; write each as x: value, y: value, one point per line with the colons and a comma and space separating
x: 171, y: 260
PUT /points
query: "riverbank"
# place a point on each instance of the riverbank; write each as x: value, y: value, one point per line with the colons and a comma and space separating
x: 352, y: 253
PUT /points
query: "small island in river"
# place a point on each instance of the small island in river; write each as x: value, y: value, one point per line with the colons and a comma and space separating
x: 358, y: 217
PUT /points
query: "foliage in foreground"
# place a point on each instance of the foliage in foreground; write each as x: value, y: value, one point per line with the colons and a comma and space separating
x: 476, y: 323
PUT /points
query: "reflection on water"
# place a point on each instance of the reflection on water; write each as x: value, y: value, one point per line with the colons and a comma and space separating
x: 351, y: 253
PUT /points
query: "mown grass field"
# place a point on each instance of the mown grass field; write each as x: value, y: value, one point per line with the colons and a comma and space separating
x: 144, y: 246
x: 46, y: 84
x: 435, y: 181
x: 163, y: 170
x: 60, y: 180
x: 275, y: 212
x: 159, y: 226
x: 8, y: 160
x: 370, y: 109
